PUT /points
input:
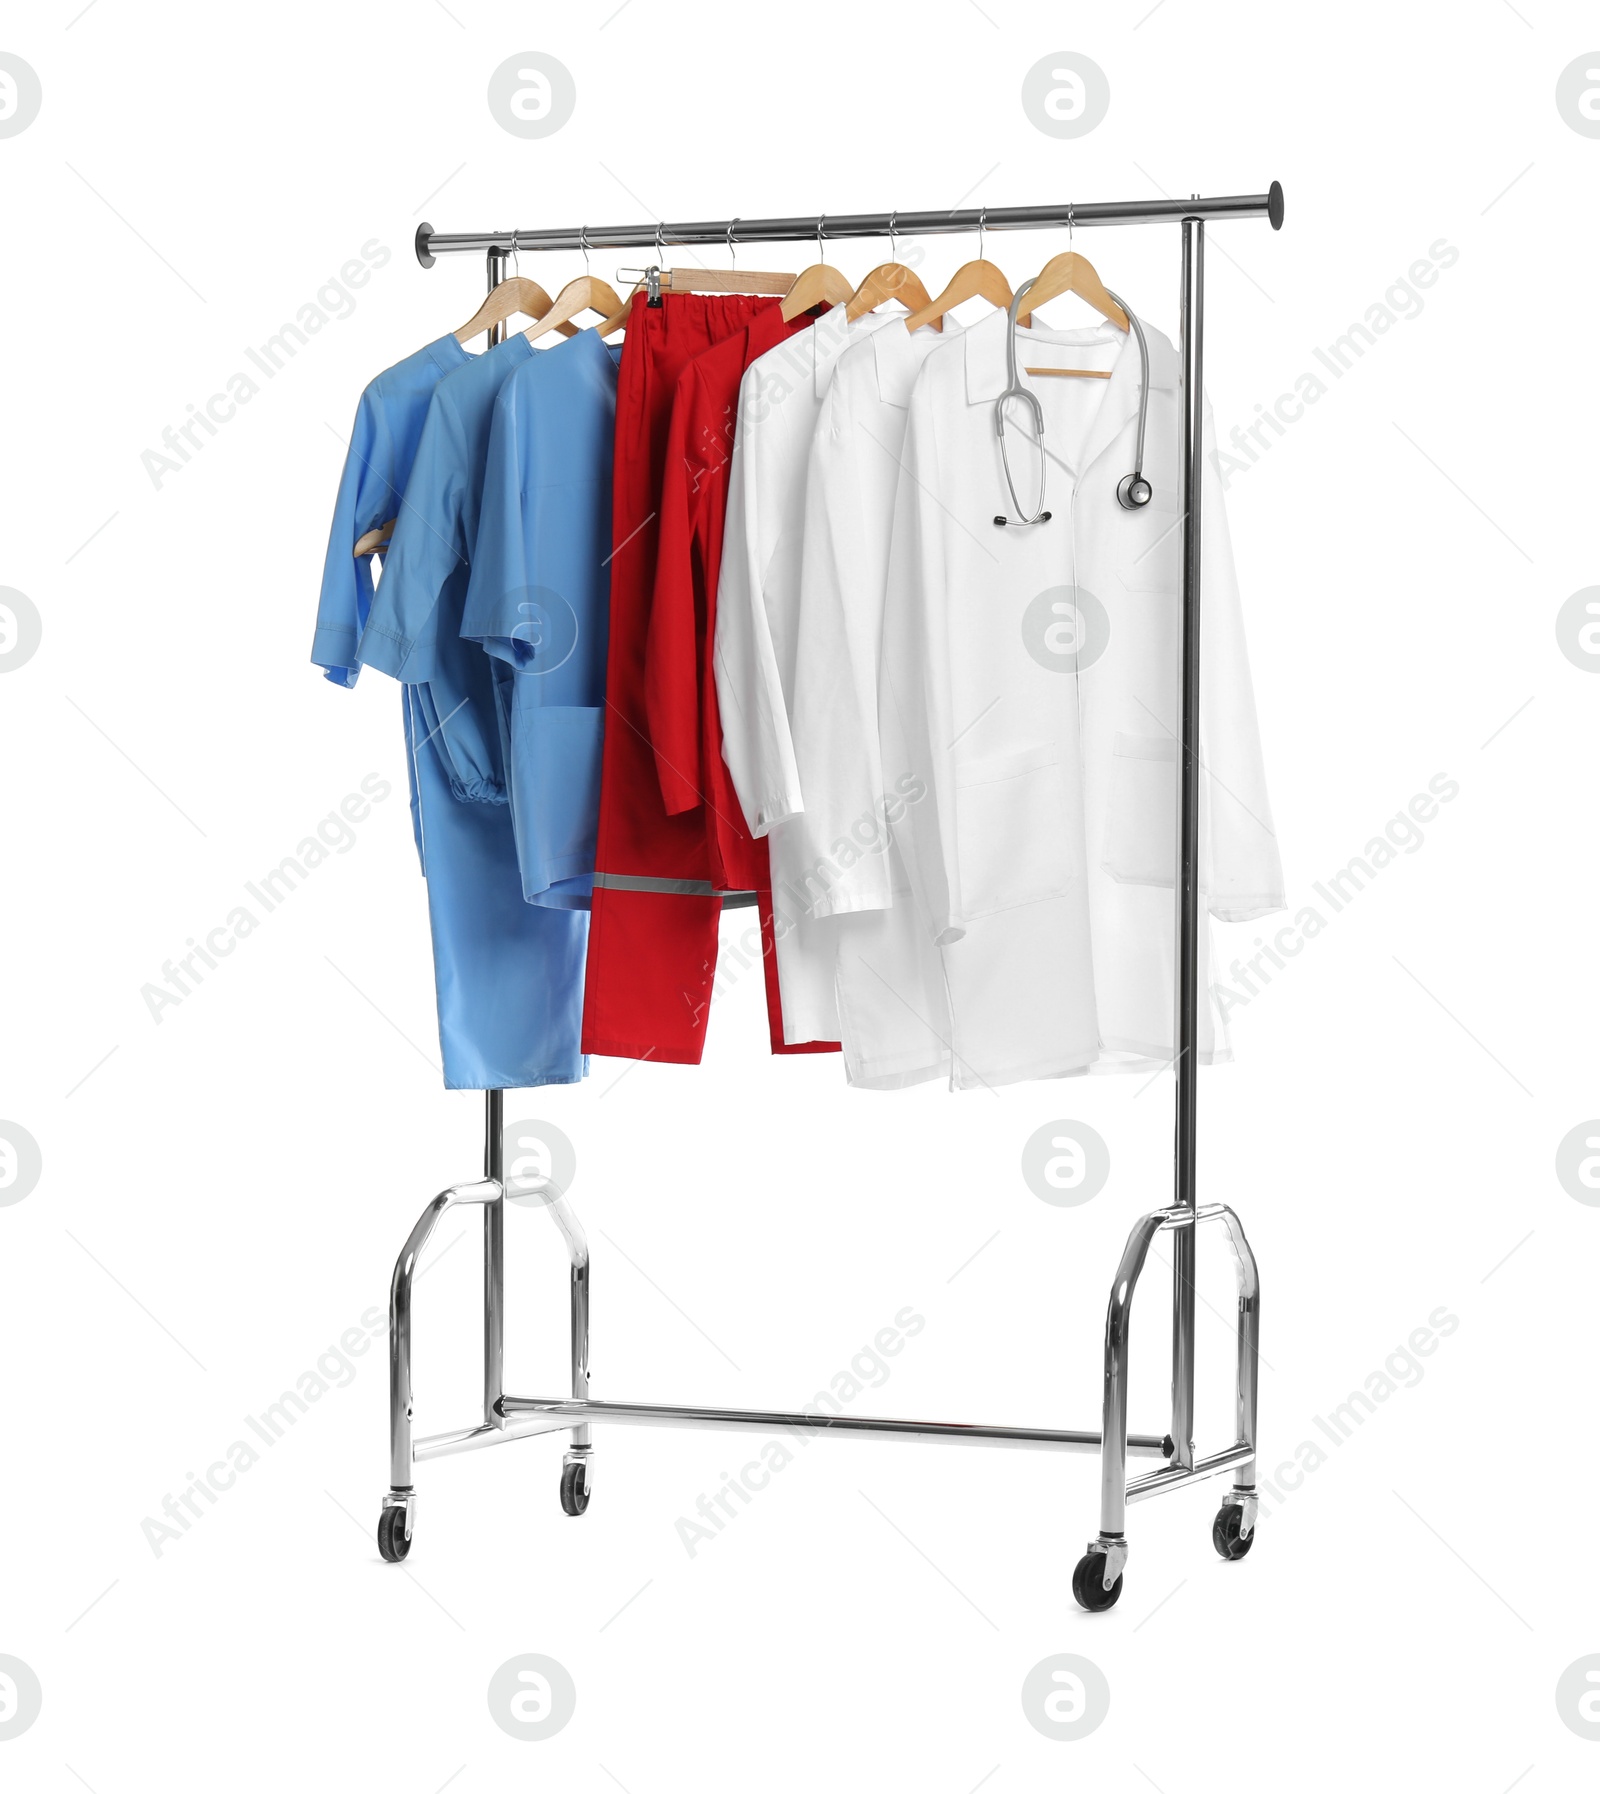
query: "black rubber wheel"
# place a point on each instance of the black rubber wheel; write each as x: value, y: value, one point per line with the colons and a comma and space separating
x: 1230, y: 1541
x: 392, y: 1541
x: 1089, y: 1585
x: 574, y: 1488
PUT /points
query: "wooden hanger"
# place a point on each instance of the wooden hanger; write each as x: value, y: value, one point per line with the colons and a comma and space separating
x: 587, y: 293
x: 721, y: 280
x: 817, y: 285
x: 516, y: 294
x: 1071, y: 273
x: 513, y: 295
x: 972, y: 280
x: 698, y: 280
x: 889, y: 280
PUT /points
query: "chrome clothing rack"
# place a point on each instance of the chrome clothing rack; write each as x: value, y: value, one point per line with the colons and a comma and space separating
x: 1097, y: 1579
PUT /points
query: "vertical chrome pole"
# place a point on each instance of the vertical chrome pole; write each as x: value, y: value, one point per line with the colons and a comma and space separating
x: 496, y: 261
x: 494, y: 1258
x: 494, y: 1213
x: 1188, y: 879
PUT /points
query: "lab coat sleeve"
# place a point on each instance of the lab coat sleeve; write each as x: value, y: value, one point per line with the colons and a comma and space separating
x: 1246, y: 872
x: 834, y: 719
x: 914, y: 699
x: 672, y: 663
x: 494, y: 613
x: 367, y: 499
x: 399, y: 638
x: 756, y: 740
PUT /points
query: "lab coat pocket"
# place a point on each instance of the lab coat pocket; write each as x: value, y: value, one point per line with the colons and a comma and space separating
x: 1141, y: 834
x: 1014, y: 830
x: 555, y: 790
x: 1150, y: 550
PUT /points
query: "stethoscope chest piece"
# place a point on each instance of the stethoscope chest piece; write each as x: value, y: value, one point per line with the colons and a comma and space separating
x: 1133, y: 491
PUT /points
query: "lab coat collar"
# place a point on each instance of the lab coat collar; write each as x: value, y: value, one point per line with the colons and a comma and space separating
x: 986, y: 371
x: 832, y: 334
x: 899, y: 362
x: 986, y: 355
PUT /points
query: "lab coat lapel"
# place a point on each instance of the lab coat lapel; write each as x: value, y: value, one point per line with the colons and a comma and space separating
x: 1120, y: 409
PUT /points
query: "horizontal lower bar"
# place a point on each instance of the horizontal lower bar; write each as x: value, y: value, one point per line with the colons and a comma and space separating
x: 725, y: 232
x: 556, y: 1414
x: 444, y: 1445
x: 1172, y: 1478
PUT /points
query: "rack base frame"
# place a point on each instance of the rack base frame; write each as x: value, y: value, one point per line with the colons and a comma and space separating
x: 1097, y: 1578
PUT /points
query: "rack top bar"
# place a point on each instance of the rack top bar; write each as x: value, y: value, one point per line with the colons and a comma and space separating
x: 721, y: 232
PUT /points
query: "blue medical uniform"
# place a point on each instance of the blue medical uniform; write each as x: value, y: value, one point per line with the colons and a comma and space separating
x: 539, y: 600
x: 509, y: 978
x: 413, y: 631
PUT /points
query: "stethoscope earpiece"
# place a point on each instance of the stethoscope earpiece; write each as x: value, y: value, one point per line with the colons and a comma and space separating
x: 1133, y: 491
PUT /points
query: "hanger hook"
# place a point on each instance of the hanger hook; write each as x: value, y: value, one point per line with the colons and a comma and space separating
x: 733, y: 253
x: 516, y: 257
x: 583, y: 244
x: 983, y: 219
x: 821, y: 220
x: 660, y: 230
x: 894, y: 214
x: 1069, y: 226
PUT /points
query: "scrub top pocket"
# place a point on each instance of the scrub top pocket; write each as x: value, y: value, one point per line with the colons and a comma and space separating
x: 555, y: 794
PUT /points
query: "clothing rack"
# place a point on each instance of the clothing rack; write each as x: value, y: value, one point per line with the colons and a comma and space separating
x: 1097, y: 1578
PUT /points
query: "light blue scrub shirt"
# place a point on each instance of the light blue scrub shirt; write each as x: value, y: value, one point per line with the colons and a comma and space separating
x: 509, y: 978
x: 539, y: 600
x: 413, y: 630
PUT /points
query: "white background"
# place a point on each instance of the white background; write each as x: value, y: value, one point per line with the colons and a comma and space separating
x: 224, y: 1194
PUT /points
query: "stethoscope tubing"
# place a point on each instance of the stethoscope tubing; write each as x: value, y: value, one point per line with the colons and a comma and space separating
x: 1014, y: 389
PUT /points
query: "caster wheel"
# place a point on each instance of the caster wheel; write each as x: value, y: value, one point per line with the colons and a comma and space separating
x: 392, y: 1541
x: 1088, y: 1584
x: 574, y: 1488
x: 1230, y: 1541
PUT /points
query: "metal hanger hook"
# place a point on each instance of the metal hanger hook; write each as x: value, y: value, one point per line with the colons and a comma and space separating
x: 660, y: 230
x: 983, y: 218
x: 583, y: 244
x: 822, y: 218
x: 892, y: 216
x: 516, y: 257
x: 1069, y: 227
x: 733, y: 253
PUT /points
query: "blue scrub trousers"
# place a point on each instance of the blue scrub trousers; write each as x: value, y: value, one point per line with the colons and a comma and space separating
x: 508, y: 973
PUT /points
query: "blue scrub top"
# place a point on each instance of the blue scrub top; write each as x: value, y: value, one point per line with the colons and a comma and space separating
x: 539, y: 599
x: 508, y: 977
x: 413, y: 631
x: 383, y: 446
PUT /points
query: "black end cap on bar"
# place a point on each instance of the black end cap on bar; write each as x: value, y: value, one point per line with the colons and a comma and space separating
x: 425, y: 232
x: 1274, y: 207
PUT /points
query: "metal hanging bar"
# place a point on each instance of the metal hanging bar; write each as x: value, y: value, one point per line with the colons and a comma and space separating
x: 1097, y: 1578
x: 431, y: 244
x: 1187, y: 919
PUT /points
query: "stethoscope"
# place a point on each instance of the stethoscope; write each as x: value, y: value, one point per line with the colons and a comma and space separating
x: 1133, y: 490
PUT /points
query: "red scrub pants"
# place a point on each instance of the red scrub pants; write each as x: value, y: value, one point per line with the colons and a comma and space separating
x: 656, y: 909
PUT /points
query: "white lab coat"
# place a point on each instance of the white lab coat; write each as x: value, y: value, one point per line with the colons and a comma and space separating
x: 1043, y: 857
x: 758, y: 594
x: 893, y: 1015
